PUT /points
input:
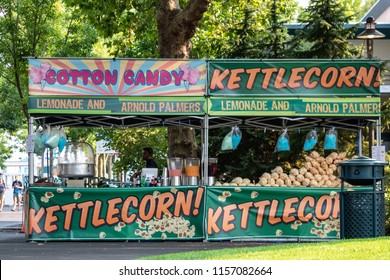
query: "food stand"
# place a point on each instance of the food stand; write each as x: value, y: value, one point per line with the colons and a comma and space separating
x: 116, y: 93
x: 133, y: 93
x: 292, y: 94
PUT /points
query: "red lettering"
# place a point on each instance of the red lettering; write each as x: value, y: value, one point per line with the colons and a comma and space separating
x: 152, y: 78
x: 177, y: 77
x: 63, y: 77
x: 51, y: 77
x: 165, y: 78
x: 139, y: 78
x: 128, y: 77
x: 111, y: 78
x: 97, y: 77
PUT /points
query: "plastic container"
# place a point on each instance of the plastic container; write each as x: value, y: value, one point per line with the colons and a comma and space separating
x: 192, y: 167
x: 175, y: 166
x: 212, y: 167
x: 76, y: 160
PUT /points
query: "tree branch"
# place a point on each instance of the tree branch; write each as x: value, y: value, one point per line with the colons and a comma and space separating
x: 189, y: 18
x: 176, y: 26
x: 8, y: 80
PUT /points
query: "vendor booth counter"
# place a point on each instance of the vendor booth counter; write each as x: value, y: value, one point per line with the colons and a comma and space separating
x: 182, y: 213
x: 160, y: 213
x: 125, y: 93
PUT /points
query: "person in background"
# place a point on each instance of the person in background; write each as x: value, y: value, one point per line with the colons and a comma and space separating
x: 3, y: 187
x: 18, y: 188
x: 147, y: 156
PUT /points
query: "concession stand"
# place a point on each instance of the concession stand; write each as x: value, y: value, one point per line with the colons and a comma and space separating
x: 278, y: 95
x: 271, y: 94
x: 119, y: 93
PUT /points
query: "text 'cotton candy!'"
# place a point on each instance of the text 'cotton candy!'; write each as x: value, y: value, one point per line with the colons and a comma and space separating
x: 110, y: 77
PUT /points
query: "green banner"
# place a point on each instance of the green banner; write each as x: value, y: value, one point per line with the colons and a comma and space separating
x: 225, y: 106
x: 293, y: 78
x: 115, y: 214
x: 117, y: 105
x: 254, y: 212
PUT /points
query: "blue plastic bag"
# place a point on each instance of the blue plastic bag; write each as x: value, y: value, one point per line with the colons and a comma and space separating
x: 39, y: 146
x: 62, y: 141
x: 45, y: 135
x: 227, y: 143
x: 236, y: 137
x: 283, y: 143
x: 330, y: 139
x: 53, y: 138
x: 310, y: 141
x: 232, y: 139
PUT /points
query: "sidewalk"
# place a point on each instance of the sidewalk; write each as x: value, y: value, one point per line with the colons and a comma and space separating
x: 10, y: 220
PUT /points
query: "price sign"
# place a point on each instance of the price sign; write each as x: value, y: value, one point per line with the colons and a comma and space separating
x: 30, y: 144
x: 379, y: 153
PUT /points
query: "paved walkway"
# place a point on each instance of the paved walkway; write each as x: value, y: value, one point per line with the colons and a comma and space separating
x: 13, y: 245
x: 15, y: 248
x: 10, y: 219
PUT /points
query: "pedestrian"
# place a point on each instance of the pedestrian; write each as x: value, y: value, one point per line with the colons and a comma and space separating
x: 3, y: 187
x: 18, y: 188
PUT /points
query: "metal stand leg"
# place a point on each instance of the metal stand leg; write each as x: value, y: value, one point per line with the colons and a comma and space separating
x: 342, y: 225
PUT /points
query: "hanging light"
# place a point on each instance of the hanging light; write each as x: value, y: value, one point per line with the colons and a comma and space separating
x: 370, y: 32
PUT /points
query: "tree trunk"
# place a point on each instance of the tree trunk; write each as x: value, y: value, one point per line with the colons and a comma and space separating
x: 175, y: 29
x: 182, y: 142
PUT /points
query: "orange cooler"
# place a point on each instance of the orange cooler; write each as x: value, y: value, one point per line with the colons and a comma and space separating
x: 192, y: 170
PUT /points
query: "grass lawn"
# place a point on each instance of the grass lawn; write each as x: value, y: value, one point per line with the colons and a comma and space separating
x: 352, y: 249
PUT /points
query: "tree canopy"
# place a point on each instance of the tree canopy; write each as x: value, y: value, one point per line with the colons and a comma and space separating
x: 152, y: 28
x: 30, y: 28
x: 324, y: 34
x: 129, y: 144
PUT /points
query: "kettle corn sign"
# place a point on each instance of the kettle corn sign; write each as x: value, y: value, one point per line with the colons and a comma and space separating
x: 165, y: 213
x: 234, y: 212
x: 293, y: 78
x: 221, y: 213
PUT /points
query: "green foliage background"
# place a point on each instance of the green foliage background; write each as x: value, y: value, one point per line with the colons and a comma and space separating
x: 129, y: 144
x: 255, y: 153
